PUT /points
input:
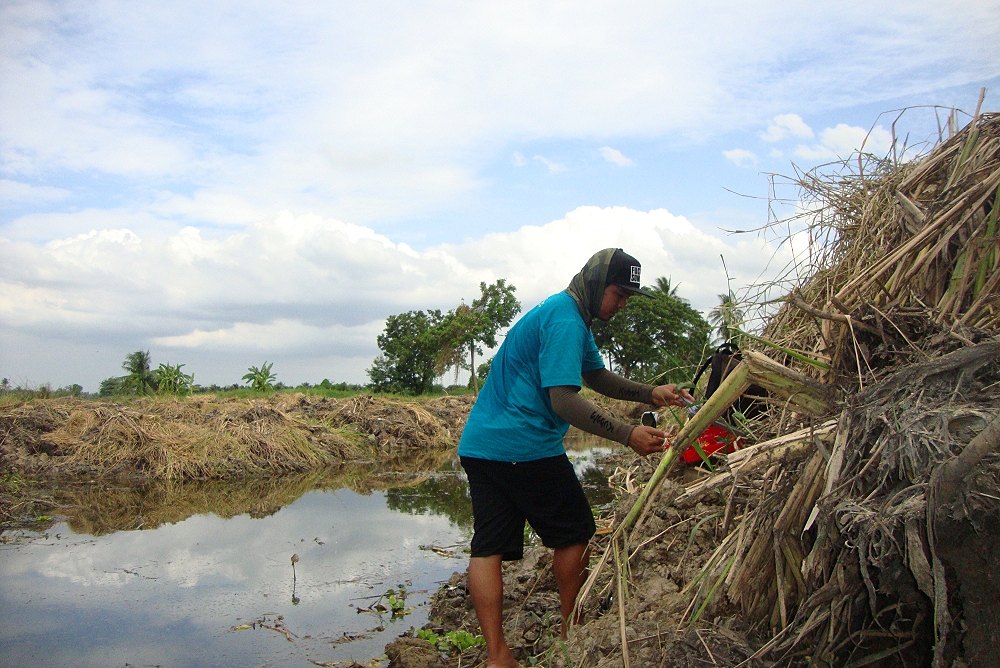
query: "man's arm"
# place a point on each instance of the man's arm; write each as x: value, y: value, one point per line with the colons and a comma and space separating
x: 586, y: 415
x: 591, y: 418
x: 612, y: 385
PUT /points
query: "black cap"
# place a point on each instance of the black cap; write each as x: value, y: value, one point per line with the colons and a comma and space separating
x: 624, y: 271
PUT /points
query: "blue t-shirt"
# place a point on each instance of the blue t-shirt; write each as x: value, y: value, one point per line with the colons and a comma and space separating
x: 512, y: 419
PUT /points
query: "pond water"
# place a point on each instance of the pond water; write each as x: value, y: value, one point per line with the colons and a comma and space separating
x: 202, y: 574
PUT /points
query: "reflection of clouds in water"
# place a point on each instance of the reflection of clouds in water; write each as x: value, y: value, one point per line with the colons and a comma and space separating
x: 589, y: 458
x: 191, y: 581
x: 358, y: 543
x: 183, y: 554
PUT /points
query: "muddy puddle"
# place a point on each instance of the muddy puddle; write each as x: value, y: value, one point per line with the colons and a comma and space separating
x: 292, y: 571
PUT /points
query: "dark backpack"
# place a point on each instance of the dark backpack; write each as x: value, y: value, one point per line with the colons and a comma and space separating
x: 720, y: 363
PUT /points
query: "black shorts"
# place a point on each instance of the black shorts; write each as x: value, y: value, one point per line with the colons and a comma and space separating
x: 545, y: 492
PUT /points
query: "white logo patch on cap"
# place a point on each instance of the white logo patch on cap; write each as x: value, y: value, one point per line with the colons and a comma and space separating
x: 634, y: 276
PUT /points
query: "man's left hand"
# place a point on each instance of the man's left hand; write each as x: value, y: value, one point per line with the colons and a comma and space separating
x: 669, y: 395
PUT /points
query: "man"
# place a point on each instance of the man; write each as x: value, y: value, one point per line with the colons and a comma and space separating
x: 512, y: 445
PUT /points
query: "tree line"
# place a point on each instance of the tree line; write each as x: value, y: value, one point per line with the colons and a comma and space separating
x: 141, y: 379
x: 657, y: 340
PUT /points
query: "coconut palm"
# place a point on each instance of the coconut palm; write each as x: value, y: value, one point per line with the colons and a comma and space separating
x: 726, y: 318
x: 665, y: 286
x: 139, y: 379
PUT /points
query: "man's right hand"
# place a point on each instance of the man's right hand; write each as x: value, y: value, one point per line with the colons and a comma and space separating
x: 647, y: 440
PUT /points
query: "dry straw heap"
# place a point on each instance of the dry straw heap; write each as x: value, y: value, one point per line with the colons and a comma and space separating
x: 864, y: 523
x: 204, y: 437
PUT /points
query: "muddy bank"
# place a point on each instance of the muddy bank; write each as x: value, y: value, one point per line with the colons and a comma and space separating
x: 681, y: 537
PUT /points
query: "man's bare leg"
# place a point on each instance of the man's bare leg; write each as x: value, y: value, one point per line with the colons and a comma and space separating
x: 486, y: 587
x: 569, y: 564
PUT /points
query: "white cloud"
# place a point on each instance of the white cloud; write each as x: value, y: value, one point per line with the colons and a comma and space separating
x: 740, y: 157
x: 15, y: 191
x: 615, y: 157
x: 283, y: 334
x: 195, y: 173
x: 843, y: 141
x: 552, y: 166
x: 220, y: 207
x: 784, y: 126
x: 392, y: 108
x: 300, y: 288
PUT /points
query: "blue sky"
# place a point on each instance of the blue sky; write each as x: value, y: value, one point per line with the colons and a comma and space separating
x: 233, y: 182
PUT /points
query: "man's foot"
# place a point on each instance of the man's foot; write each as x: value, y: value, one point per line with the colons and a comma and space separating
x: 507, y: 661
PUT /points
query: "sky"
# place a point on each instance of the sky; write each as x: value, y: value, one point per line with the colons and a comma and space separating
x: 231, y: 183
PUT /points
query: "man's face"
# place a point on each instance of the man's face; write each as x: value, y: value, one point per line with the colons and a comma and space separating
x: 614, y: 300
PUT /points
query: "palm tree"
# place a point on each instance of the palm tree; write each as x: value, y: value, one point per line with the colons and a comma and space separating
x: 139, y: 379
x: 726, y: 317
x: 663, y: 285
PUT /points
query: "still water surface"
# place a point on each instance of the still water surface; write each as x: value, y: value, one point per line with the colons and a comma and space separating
x: 202, y: 574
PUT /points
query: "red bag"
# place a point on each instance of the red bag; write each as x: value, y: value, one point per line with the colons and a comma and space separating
x: 713, y: 439
x: 716, y: 437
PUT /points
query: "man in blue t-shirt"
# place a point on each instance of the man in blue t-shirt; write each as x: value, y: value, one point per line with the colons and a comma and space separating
x: 512, y: 445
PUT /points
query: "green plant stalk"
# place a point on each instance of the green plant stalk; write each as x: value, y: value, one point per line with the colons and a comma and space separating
x: 805, y: 394
x: 805, y: 359
x: 988, y: 262
x: 620, y: 586
x: 710, y: 596
x: 729, y: 391
x: 970, y: 144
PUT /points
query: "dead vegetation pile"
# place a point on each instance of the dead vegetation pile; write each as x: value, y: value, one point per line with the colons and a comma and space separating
x: 860, y: 529
x: 200, y: 438
x: 836, y: 546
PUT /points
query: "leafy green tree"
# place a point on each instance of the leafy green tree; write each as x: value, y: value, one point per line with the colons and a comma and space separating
x: 171, y: 380
x: 726, y: 318
x: 139, y: 379
x: 659, y: 340
x: 410, y: 345
x: 481, y: 372
x: 111, y: 387
x: 465, y: 328
x: 261, y: 380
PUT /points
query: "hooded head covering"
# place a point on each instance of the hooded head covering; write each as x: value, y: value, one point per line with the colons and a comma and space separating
x: 587, y: 287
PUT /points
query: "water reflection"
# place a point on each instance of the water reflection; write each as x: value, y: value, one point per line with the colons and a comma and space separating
x: 202, y: 574
x: 99, y: 509
x: 209, y: 588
